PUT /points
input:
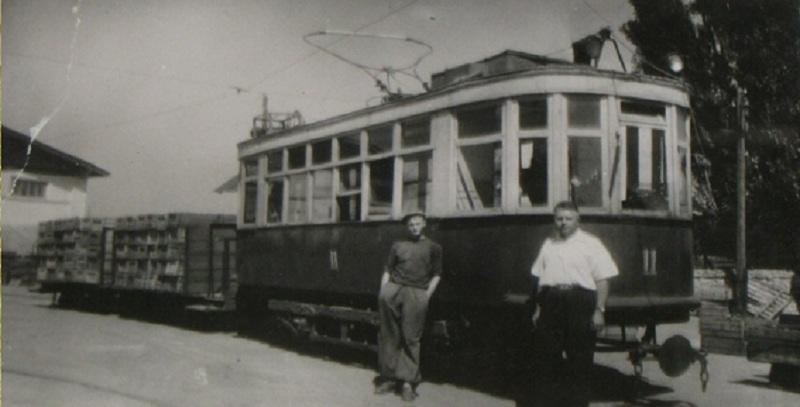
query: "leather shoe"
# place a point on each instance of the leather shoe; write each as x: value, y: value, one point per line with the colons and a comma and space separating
x: 385, y: 387
x: 408, y: 393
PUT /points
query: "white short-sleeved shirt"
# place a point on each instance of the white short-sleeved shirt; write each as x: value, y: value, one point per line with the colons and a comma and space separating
x: 580, y: 259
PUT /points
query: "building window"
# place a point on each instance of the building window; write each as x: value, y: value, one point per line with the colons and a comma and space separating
x: 380, y: 140
x: 30, y: 189
x: 349, y: 146
x: 298, y: 210
x: 585, y: 171
x: 583, y: 111
x: 479, y: 121
x: 250, y: 197
x: 479, y: 176
x: 417, y: 182
x: 322, y: 196
x: 381, y: 183
x: 348, y: 198
x: 415, y: 133
x: 274, y: 201
x: 533, y: 172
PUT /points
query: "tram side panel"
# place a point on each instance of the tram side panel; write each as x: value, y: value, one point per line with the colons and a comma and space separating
x: 486, y: 263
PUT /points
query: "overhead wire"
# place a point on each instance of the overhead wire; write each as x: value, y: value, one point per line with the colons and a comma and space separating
x: 246, y: 89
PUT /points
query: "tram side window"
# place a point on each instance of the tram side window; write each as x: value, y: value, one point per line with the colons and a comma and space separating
x: 585, y: 171
x: 533, y: 113
x: 533, y: 172
x: 297, y: 198
x: 380, y: 139
x: 250, y: 168
x: 646, y: 174
x: 321, y: 152
x: 415, y: 133
x: 683, y: 183
x: 275, y: 161
x: 297, y: 157
x: 583, y: 111
x: 479, y: 176
x: 479, y: 121
x: 348, y: 199
x: 349, y: 146
x: 322, y: 204
x: 274, y: 201
x: 417, y: 182
x: 381, y: 182
x: 250, y: 196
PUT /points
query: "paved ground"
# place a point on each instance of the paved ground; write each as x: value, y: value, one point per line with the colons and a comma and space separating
x: 58, y: 357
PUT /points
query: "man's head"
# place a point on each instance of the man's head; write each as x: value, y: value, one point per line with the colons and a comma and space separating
x: 415, y: 223
x: 566, y: 218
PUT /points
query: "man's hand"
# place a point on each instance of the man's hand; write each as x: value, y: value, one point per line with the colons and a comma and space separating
x: 535, y: 316
x: 598, y: 320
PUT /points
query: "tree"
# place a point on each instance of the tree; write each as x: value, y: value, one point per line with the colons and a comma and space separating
x: 754, y: 45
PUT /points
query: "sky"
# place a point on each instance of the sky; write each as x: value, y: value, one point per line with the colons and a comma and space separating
x: 159, y: 93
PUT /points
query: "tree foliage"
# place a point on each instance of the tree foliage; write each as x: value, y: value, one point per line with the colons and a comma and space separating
x: 725, y: 44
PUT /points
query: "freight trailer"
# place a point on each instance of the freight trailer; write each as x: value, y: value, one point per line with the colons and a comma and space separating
x: 180, y: 258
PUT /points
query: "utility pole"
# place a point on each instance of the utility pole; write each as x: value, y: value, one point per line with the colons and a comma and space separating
x: 741, y: 194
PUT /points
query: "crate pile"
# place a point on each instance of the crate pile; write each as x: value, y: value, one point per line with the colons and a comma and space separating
x: 70, y: 250
x: 164, y: 252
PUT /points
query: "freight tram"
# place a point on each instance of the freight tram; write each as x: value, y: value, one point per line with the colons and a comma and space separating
x: 486, y: 152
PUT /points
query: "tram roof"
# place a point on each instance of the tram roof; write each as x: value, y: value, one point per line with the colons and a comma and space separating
x: 502, y: 66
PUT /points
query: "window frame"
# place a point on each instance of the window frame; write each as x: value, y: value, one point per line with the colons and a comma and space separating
x: 649, y: 123
x: 601, y: 133
x: 518, y: 135
x: 470, y: 141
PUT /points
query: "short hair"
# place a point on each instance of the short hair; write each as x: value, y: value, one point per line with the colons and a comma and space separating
x: 568, y: 205
x: 412, y: 215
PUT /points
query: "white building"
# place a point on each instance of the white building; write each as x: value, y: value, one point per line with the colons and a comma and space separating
x: 51, y: 186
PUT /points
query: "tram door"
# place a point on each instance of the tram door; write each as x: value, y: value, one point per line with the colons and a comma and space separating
x: 222, y: 274
x: 107, y: 259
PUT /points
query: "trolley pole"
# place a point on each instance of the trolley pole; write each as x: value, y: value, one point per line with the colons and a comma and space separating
x: 741, y: 192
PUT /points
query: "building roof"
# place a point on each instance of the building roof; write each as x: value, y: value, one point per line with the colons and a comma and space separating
x: 43, y: 158
x: 231, y: 185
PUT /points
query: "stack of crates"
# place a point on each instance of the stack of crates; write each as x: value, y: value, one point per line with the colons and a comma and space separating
x: 70, y: 250
x: 165, y: 252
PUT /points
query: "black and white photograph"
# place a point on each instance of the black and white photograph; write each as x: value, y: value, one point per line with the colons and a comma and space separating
x: 378, y: 203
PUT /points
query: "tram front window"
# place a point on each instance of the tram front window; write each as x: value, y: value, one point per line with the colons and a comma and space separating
x: 585, y: 171
x: 533, y: 172
x: 646, y: 169
x: 274, y: 201
x: 479, y: 176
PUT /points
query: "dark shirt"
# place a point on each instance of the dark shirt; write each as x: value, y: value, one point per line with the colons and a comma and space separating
x: 414, y: 262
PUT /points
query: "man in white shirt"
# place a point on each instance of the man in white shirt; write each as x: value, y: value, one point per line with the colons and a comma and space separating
x: 572, y: 269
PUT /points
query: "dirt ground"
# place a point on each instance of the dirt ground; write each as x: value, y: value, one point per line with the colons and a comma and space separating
x: 61, y: 357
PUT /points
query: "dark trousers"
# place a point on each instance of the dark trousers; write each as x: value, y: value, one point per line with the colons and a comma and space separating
x: 402, y: 314
x: 564, y: 328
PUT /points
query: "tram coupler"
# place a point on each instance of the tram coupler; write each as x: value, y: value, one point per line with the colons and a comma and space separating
x: 674, y: 357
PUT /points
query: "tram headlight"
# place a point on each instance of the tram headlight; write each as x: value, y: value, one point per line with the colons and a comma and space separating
x: 675, y: 62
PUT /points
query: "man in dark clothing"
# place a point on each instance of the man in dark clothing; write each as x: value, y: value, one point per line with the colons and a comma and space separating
x: 412, y: 272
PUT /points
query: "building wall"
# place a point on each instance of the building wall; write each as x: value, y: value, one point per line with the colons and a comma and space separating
x: 64, y: 197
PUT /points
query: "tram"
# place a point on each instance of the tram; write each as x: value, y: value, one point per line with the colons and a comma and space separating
x: 486, y: 152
